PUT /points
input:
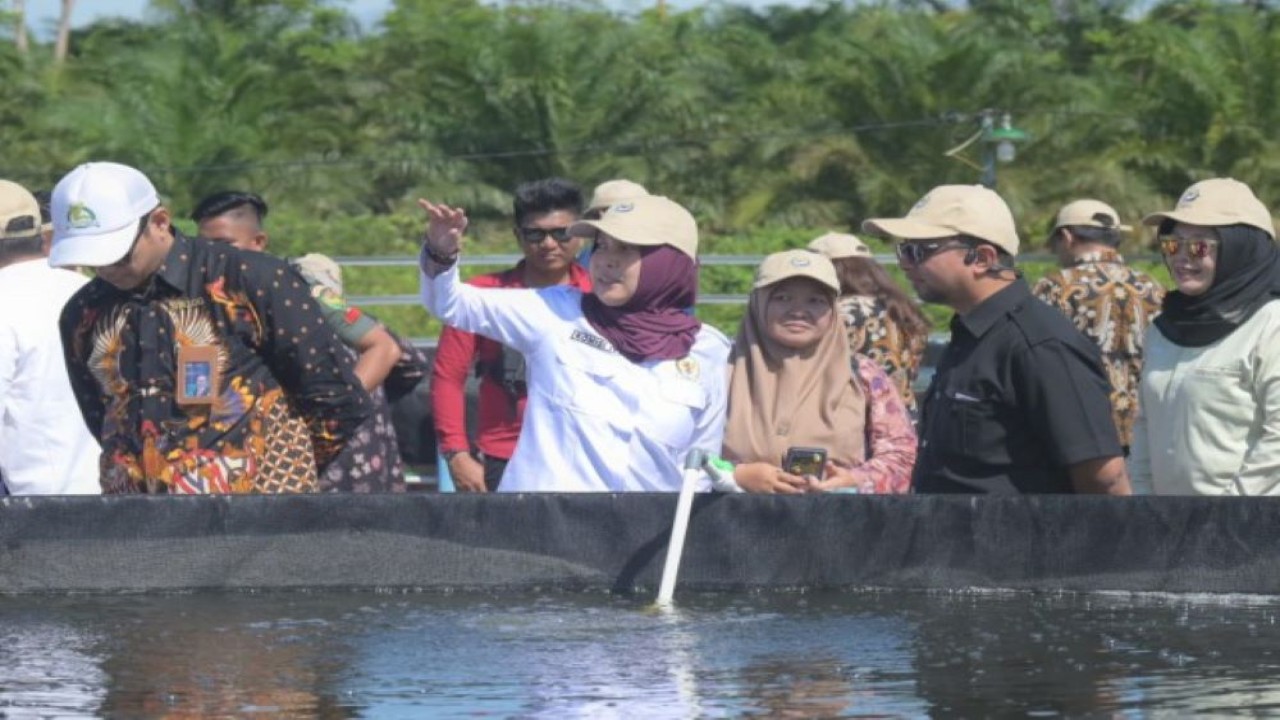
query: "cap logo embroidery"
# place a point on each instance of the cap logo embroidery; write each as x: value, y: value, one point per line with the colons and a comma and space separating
x: 623, y: 208
x: 800, y: 262
x: 920, y: 203
x: 1188, y: 197
x: 79, y: 216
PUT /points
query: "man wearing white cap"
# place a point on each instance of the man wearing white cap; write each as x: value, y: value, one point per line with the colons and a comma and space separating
x: 279, y: 399
x: 45, y: 448
x: 1108, y: 301
x: 1019, y: 400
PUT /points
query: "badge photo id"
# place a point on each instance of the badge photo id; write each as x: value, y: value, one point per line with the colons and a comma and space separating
x: 197, y: 375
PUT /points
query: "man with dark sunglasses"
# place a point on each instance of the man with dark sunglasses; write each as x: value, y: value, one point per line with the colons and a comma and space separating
x: 280, y: 399
x: 544, y: 210
x: 1019, y: 401
x: 1108, y: 301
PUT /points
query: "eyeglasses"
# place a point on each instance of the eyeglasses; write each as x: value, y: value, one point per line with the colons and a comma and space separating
x: 1198, y: 248
x: 915, y: 253
x: 533, y: 235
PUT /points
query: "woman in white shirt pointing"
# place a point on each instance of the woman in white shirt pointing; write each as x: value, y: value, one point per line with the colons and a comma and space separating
x: 1209, y: 404
x: 623, y: 382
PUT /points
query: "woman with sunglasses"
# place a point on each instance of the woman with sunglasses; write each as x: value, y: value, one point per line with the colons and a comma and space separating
x: 622, y: 383
x: 794, y: 385
x: 1209, y: 418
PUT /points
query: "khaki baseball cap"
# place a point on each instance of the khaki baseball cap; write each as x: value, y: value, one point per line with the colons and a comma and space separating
x: 615, y: 191
x: 19, y: 212
x: 1218, y: 201
x: 1088, y: 213
x: 950, y: 210
x: 647, y: 220
x: 797, y: 263
x: 840, y: 245
x: 320, y: 269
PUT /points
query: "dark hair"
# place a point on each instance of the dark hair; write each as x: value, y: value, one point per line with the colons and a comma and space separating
x: 22, y: 247
x: 1109, y: 236
x: 865, y: 276
x: 223, y: 202
x: 44, y: 198
x: 544, y: 196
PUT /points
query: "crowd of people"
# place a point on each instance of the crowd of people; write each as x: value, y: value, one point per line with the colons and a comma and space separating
x: 136, y: 359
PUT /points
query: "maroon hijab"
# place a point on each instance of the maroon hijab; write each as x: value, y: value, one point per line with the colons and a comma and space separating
x: 655, y: 323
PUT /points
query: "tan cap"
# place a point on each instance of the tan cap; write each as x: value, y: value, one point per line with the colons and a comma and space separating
x: 797, y: 263
x: 840, y: 245
x: 19, y: 212
x: 1215, y: 202
x: 646, y: 220
x: 950, y: 210
x: 1088, y: 213
x: 320, y: 269
x: 615, y: 191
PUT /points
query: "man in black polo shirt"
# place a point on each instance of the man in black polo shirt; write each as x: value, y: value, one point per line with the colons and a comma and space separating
x: 1020, y: 401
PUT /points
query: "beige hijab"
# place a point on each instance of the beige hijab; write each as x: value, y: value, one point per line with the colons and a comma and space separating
x: 779, y: 399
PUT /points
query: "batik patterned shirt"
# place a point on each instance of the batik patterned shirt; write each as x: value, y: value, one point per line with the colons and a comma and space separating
x: 874, y: 334
x: 1112, y: 304
x: 286, y: 398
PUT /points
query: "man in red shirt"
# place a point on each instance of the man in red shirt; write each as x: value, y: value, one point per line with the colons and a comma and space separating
x: 544, y: 210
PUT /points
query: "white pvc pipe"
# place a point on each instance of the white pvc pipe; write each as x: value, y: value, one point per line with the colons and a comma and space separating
x: 679, y: 526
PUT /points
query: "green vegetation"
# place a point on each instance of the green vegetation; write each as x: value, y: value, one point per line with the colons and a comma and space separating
x: 772, y: 126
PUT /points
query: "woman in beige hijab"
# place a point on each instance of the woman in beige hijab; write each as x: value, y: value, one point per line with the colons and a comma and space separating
x: 794, y: 384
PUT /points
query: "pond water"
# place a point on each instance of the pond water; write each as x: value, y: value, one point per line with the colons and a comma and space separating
x: 556, y: 655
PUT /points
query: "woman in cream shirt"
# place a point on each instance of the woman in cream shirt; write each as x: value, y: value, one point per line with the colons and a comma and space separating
x: 1209, y: 420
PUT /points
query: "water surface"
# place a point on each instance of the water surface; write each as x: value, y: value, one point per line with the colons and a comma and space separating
x: 903, y: 654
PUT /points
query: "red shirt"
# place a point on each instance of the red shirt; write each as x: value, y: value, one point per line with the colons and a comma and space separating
x: 458, y: 352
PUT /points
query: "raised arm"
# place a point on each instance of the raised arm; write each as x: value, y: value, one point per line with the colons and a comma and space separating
x: 518, y: 318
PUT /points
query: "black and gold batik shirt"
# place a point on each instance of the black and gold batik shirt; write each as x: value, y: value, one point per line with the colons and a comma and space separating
x: 285, y: 399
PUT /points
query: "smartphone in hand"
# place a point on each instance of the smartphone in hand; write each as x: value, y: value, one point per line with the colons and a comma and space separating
x: 804, y: 461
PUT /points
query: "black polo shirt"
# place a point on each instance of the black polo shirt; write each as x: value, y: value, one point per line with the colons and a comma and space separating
x: 1018, y: 397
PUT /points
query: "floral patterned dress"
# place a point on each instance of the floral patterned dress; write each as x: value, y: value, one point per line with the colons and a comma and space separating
x: 874, y: 334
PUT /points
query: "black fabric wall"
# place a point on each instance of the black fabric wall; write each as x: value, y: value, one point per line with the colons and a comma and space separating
x: 618, y: 542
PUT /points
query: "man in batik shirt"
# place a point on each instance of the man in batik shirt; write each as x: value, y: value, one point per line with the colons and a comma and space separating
x: 1108, y: 301
x: 371, y: 460
x: 199, y: 369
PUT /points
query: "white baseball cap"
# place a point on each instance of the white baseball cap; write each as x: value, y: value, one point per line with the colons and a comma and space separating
x: 96, y: 210
x: 950, y: 210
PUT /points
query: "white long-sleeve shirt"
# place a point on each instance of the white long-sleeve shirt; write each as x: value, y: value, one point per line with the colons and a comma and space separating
x: 1209, y: 419
x: 594, y: 420
x: 45, y: 448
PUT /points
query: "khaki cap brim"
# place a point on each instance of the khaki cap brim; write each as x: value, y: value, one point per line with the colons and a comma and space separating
x: 908, y: 229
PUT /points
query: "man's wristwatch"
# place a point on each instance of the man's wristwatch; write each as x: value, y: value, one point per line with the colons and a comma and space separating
x: 449, y: 454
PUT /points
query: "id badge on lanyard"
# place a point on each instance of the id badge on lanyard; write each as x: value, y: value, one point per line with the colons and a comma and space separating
x: 197, y: 375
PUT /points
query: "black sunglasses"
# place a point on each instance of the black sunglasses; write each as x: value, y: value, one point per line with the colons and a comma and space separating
x: 533, y: 235
x: 918, y: 252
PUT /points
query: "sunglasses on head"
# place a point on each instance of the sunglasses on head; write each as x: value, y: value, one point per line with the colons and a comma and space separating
x: 533, y: 235
x: 916, y: 252
x: 1198, y: 248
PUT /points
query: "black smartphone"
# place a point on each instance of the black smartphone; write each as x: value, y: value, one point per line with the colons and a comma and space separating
x: 805, y: 461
